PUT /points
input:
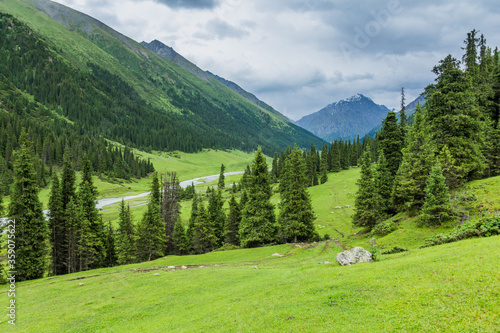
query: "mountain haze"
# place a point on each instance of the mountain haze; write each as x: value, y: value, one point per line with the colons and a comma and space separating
x: 345, y: 119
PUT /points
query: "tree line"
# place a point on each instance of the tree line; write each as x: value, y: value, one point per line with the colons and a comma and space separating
x: 455, y: 138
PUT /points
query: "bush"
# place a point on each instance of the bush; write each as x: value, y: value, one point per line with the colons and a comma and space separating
x: 395, y: 249
x: 384, y: 228
x: 485, y: 227
x: 326, y: 237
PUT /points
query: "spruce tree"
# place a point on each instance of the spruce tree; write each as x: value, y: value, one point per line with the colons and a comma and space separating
x: 180, y: 239
x: 25, y: 208
x: 437, y: 207
x: 403, y: 121
x: 391, y: 142
x: 192, y: 220
x: 170, y: 208
x: 111, y: 255
x: 257, y: 225
x: 125, y: 237
x: 216, y: 214
x: 383, y: 187
x: 222, y: 184
x: 418, y: 158
x: 57, y: 228
x: 204, y: 239
x: 274, y: 167
x: 87, y: 196
x: 366, y: 212
x: 151, y: 231
x: 231, y: 230
x: 455, y: 121
x: 295, y: 222
x: 324, y: 164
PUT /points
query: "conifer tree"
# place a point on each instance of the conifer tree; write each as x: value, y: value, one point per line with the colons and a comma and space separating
x: 170, y: 208
x: 221, y: 185
x: 180, y: 239
x: 231, y: 230
x: 87, y: 196
x: 257, y: 226
x: 57, y: 228
x: 274, y: 168
x: 77, y: 238
x: 437, y: 207
x: 125, y: 237
x: 204, y: 239
x: 455, y: 121
x: 391, y: 142
x: 25, y: 208
x: 403, y: 121
x: 366, y: 213
x: 418, y: 158
x: 151, y: 231
x: 216, y: 214
x: 324, y: 164
x: 111, y: 256
x: 383, y: 188
x: 192, y: 221
x: 295, y: 222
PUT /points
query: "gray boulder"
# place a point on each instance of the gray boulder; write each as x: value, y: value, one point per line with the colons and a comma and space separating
x: 354, y: 256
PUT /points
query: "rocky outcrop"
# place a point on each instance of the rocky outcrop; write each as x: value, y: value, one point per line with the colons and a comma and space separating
x: 354, y: 256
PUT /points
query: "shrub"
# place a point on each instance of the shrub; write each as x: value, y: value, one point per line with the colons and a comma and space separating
x: 485, y: 227
x: 384, y: 228
x: 395, y: 249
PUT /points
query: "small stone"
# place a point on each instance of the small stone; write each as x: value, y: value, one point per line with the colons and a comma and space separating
x: 354, y: 256
x: 156, y: 274
x: 326, y: 262
x: 255, y: 267
x: 81, y: 284
x: 183, y: 267
x: 171, y: 266
x: 277, y: 255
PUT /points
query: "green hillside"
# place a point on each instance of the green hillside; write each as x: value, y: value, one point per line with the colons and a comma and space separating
x: 134, y: 96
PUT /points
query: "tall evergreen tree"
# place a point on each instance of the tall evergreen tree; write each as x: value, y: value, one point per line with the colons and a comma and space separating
x: 403, y: 121
x: 366, y: 212
x: 111, y: 255
x: 216, y: 214
x: 231, y: 230
x: 57, y: 229
x: 391, y: 142
x: 257, y: 225
x: 295, y: 222
x: 180, y: 239
x: 274, y: 167
x: 125, y: 237
x: 222, y: 184
x: 192, y: 220
x: 437, y: 207
x: 324, y: 163
x: 418, y: 159
x: 383, y: 186
x: 25, y: 208
x: 151, y: 231
x: 455, y: 121
x: 204, y: 239
x: 87, y: 196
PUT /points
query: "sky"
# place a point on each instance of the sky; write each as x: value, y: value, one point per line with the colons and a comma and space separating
x: 301, y: 55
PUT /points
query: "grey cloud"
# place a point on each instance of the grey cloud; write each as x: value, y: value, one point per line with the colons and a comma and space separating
x: 190, y: 4
x: 218, y: 29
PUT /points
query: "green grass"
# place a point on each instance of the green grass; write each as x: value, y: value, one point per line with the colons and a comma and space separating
x: 449, y: 288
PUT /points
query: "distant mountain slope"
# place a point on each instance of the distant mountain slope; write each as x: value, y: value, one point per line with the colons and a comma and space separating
x: 345, y: 119
x: 115, y: 87
x: 169, y: 53
x: 410, y: 110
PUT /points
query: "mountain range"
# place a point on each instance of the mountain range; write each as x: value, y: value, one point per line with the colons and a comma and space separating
x: 145, y: 96
x: 348, y: 118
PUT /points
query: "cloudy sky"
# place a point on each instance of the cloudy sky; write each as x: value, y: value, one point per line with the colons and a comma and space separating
x: 300, y: 55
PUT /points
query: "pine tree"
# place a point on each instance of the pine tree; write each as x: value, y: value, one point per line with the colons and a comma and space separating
x: 204, y: 239
x: 274, y: 168
x: 125, y: 237
x: 151, y: 231
x: 192, y: 221
x: 437, y: 207
x: 77, y: 238
x: 180, y: 239
x: 418, y: 158
x: 87, y: 196
x: 324, y: 164
x: 216, y: 214
x: 295, y: 222
x: 391, y: 142
x: 111, y: 256
x: 366, y: 213
x: 221, y: 184
x: 25, y: 208
x: 257, y: 226
x: 231, y: 230
x: 383, y: 188
x: 403, y: 121
x: 57, y: 229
